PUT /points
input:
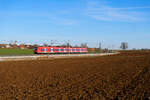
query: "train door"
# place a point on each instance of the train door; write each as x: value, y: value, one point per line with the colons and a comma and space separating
x: 59, y: 50
x: 52, y: 50
x: 45, y: 50
x: 71, y: 50
x: 65, y: 50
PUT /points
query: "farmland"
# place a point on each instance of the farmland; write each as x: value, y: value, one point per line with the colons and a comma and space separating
x: 123, y: 76
x: 5, y: 51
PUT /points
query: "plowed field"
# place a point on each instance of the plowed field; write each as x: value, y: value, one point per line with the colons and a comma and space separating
x: 125, y: 76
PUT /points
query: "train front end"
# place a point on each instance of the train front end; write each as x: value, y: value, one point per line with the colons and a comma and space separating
x: 35, y: 50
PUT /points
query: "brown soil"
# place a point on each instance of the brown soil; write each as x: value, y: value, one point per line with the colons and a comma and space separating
x: 123, y: 76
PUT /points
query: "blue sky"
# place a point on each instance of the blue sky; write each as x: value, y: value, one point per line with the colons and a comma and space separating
x: 92, y: 21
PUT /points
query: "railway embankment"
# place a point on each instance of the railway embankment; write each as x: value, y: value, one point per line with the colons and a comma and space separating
x: 41, y: 57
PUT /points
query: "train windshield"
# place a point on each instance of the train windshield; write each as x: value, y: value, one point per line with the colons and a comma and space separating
x: 35, y: 48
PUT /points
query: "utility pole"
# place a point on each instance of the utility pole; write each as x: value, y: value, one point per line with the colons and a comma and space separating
x: 100, y: 46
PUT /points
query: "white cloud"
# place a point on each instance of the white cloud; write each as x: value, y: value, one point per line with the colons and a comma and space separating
x: 104, y: 12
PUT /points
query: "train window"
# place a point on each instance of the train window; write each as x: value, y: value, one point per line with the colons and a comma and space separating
x: 55, y: 49
x: 62, y: 49
x: 42, y: 49
x: 46, y: 49
x: 67, y: 49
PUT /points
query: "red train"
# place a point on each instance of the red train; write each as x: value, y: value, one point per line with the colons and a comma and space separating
x: 57, y: 50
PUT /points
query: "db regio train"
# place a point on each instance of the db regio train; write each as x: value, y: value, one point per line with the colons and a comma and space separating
x: 59, y: 50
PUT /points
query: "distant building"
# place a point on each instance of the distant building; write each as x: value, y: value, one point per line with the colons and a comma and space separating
x: 7, y: 46
x: 29, y: 46
x: 22, y: 46
x: 91, y: 49
x: 26, y: 46
x: 4, y: 46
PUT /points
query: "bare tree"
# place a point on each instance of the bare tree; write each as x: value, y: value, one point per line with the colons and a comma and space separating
x: 124, y: 45
x: 45, y: 45
x: 100, y: 46
x: 68, y: 43
x: 84, y: 45
x: 76, y: 45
